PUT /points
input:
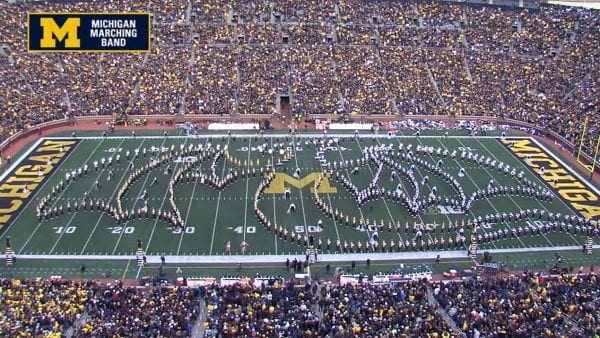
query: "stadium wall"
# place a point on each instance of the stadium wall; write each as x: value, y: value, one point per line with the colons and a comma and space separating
x: 156, y: 121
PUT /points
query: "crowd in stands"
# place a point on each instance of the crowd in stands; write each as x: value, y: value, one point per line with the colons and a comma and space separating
x: 48, y: 308
x: 123, y: 311
x: 512, y: 306
x: 37, y: 308
x: 400, y: 310
x: 515, y: 307
x: 366, y: 57
x: 246, y: 311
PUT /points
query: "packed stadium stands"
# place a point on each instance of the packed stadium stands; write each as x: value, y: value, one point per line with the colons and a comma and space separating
x: 524, y: 307
x: 330, y: 56
x: 515, y: 306
x: 367, y: 57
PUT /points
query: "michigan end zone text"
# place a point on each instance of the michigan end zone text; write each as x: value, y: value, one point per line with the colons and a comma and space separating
x: 28, y: 176
x: 578, y: 193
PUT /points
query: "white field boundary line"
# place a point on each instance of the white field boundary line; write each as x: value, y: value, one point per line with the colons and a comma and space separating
x: 277, y: 135
x: 26, y: 154
x: 345, y: 257
x: 37, y: 191
x: 543, y: 183
x: 566, y: 166
x: 55, y: 201
x: 40, y: 188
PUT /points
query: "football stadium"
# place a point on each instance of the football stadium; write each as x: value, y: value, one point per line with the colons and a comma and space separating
x: 299, y: 169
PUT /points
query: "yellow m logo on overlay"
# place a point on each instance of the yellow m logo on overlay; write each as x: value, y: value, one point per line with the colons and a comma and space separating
x: 67, y: 32
x: 277, y: 186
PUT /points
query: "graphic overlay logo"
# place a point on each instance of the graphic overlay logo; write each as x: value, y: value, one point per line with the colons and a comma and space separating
x: 88, y: 32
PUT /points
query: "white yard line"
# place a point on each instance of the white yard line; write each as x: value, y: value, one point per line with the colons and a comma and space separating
x: 487, y: 200
x: 212, y: 240
x: 293, y: 138
x: 419, y: 215
x: 359, y: 208
x: 247, y: 182
x: 41, y: 188
x: 109, y: 201
x: 478, y: 188
x: 160, y: 208
x: 136, y: 197
x: 162, y: 203
x: 273, y: 197
x: 187, y: 214
x: 337, y: 233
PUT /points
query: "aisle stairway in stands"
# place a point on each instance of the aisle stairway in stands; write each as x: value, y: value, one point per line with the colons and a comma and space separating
x: 186, y: 82
x: 198, y: 329
x: 63, y: 77
x: 70, y: 332
x: 136, y: 89
x: 442, y: 312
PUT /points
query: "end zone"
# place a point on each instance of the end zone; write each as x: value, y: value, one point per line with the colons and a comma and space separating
x: 25, y: 177
x: 576, y: 191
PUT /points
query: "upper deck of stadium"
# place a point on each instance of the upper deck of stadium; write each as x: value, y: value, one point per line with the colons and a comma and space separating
x: 363, y: 57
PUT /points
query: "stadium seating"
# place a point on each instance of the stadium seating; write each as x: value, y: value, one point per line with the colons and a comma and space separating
x: 517, y: 307
x: 368, y: 57
x: 551, y: 306
x: 359, y: 56
x: 49, y: 308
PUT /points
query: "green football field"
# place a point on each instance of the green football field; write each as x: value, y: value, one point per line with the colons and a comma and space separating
x: 49, y: 226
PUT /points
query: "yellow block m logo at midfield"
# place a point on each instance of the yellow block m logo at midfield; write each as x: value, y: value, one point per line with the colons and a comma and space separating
x: 67, y: 32
x: 277, y: 186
